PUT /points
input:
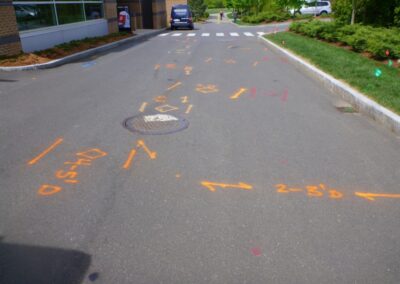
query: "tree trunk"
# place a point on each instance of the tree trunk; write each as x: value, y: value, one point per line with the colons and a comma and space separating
x: 353, y: 13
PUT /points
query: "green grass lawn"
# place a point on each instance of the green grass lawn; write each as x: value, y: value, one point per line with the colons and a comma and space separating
x: 217, y: 10
x: 346, y: 65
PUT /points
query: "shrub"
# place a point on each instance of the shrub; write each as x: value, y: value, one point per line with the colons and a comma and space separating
x: 361, y: 38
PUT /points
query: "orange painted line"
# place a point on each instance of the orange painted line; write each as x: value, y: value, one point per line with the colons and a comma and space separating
x: 371, y: 196
x: 255, y: 63
x: 152, y: 155
x: 238, y: 93
x: 189, y: 109
x: 128, y: 161
x: 45, y: 152
x: 174, y: 86
x: 212, y: 185
x: 143, y: 107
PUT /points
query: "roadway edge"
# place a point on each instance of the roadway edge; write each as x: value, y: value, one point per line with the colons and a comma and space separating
x: 360, y: 102
x: 83, y: 54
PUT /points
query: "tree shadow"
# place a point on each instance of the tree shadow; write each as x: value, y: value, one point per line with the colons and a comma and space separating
x: 33, y: 264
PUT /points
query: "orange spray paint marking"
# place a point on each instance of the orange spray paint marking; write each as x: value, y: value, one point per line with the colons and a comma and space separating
x: 170, y: 66
x: 165, y: 108
x: 128, y: 161
x: 160, y: 99
x: 206, y: 89
x: 255, y: 63
x: 334, y: 194
x: 157, y: 67
x: 178, y: 176
x: 45, y: 152
x: 152, y: 155
x: 212, y: 185
x: 174, y: 86
x: 92, y: 154
x: 238, y: 93
x: 188, y: 70
x: 208, y: 60
x: 63, y: 174
x: 143, y: 107
x: 230, y: 61
x: 80, y: 162
x: 281, y: 188
x: 371, y: 196
x: 189, y: 108
x: 313, y: 191
x: 47, y: 189
x: 295, y: 189
x: 184, y: 100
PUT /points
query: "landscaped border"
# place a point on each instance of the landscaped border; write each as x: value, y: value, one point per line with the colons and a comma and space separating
x: 361, y: 102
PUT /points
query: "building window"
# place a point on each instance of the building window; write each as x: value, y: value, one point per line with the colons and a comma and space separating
x: 31, y: 16
x: 70, y: 13
x: 34, y: 14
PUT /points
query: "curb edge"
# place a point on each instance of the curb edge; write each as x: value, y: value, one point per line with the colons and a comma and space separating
x: 82, y: 54
x: 360, y: 101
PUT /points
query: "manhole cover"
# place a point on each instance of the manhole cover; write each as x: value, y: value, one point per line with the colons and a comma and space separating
x: 156, y: 124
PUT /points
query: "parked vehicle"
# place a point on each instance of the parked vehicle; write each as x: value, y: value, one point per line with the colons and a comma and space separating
x: 181, y: 16
x: 309, y: 8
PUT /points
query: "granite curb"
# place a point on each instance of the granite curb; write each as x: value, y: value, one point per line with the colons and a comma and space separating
x: 359, y: 101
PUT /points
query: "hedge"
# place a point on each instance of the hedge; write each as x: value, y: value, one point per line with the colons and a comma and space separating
x: 361, y: 38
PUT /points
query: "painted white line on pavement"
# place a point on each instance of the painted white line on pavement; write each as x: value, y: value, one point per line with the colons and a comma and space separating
x: 248, y: 34
x: 234, y: 34
x: 220, y: 34
x: 191, y: 34
x: 164, y: 34
x: 176, y: 34
x: 159, y: 117
x: 205, y: 34
x: 260, y: 33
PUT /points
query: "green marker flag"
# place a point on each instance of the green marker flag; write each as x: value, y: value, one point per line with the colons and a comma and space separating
x: 378, y: 72
x: 390, y: 63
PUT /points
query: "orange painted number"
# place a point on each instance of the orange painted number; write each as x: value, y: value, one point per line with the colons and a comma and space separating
x: 281, y: 188
x: 47, y: 189
x: 313, y: 191
x: 64, y: 174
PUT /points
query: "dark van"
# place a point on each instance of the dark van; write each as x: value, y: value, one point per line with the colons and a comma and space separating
x: 181, y: 16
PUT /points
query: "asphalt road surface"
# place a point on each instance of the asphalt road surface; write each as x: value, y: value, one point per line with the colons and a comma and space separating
x: 266, y: 182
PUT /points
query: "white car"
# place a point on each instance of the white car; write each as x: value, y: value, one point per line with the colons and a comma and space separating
x: 322, y: 8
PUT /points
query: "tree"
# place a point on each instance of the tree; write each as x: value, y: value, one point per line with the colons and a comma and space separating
x: 198, y: 7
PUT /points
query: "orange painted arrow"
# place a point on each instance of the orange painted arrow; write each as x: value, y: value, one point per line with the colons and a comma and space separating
x: 372, y: 196
x: 212, y: 185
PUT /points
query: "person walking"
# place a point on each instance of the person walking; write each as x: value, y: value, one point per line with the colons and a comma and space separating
x: 221, y: 15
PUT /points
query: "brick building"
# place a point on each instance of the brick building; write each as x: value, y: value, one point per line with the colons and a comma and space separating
x: 29, y: 25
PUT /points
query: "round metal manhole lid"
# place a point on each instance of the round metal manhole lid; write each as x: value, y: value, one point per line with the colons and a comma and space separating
x: 156, y: 124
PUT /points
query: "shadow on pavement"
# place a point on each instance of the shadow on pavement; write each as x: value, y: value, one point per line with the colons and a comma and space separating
x: 22, y: 264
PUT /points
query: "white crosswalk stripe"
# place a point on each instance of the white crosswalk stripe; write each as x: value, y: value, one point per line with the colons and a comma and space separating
x: 219, y: 34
